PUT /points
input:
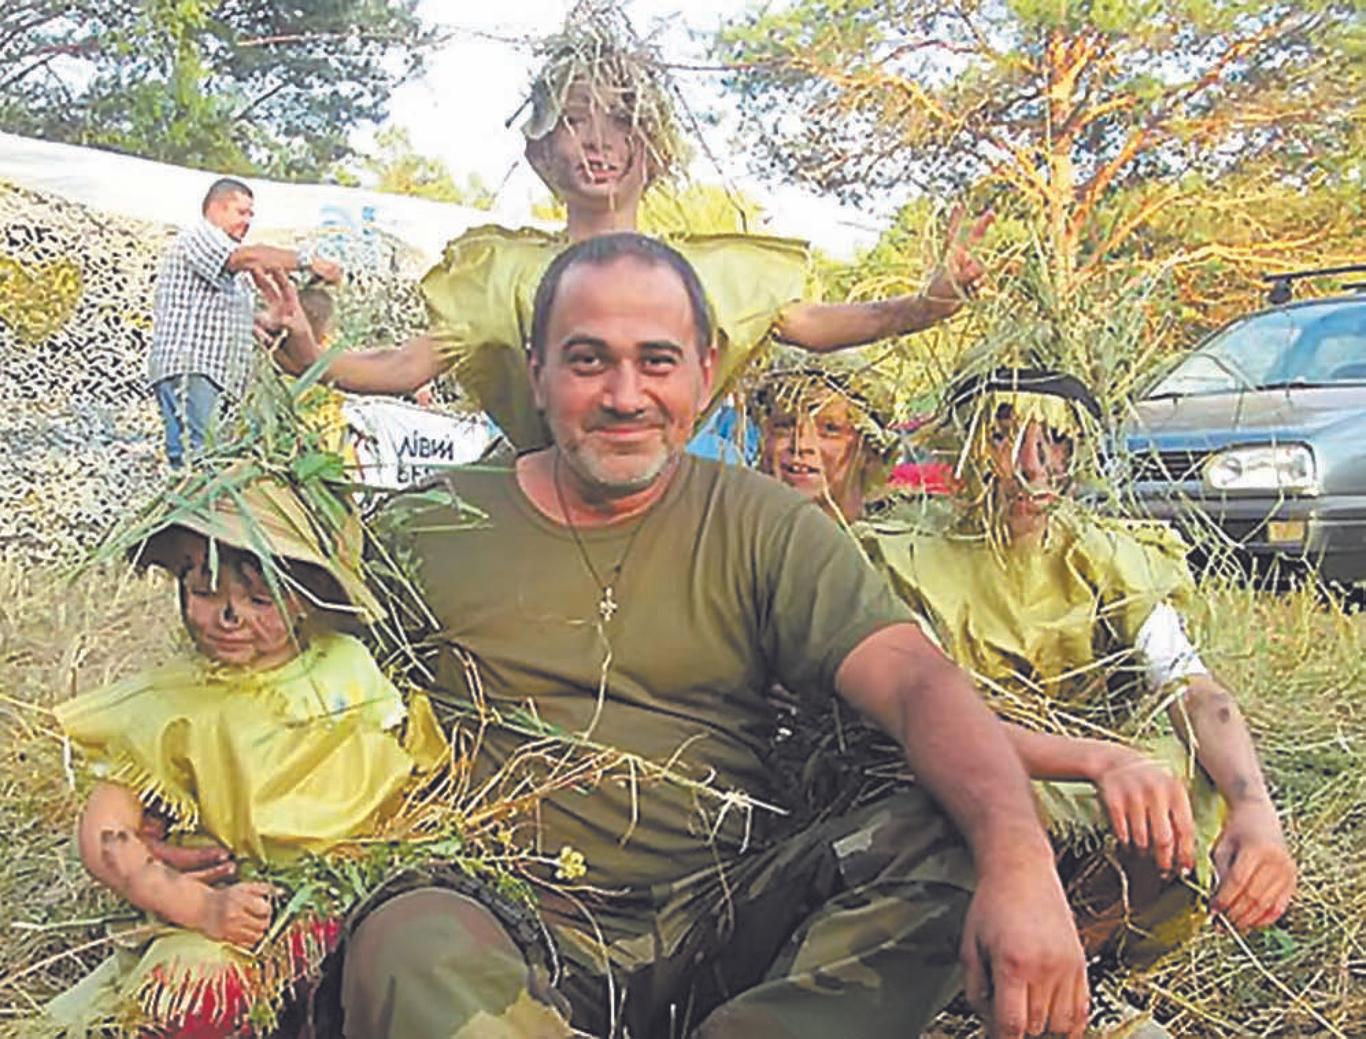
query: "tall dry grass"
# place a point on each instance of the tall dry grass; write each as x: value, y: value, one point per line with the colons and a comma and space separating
x: 57, y: 638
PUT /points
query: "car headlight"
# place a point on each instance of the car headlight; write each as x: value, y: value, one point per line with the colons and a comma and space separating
x: 1278, y: 467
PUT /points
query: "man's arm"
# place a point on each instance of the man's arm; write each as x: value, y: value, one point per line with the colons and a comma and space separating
x: 1020, y: 946
x: 248, y: 257
x: 1257, y: 876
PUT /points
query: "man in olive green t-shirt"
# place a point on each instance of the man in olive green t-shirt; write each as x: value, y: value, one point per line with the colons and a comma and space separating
x: 646, y: 600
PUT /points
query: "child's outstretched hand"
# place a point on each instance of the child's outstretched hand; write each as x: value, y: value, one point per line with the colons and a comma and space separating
x: 239, y: 914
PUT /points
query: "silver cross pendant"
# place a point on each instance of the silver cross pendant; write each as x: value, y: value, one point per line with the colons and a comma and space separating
x: 607, y: 605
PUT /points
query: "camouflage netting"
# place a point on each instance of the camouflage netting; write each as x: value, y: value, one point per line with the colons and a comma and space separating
x: 80, y: 437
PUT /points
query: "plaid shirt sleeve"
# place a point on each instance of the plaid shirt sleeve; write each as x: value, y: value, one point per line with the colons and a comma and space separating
x: 206, y: 249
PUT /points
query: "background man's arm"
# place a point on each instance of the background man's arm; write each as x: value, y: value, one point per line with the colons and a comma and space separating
x: 247, y: 257
x: 1257, y: 876
x: 1020, y: 947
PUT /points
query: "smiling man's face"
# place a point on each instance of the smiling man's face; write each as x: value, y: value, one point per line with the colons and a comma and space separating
x: 623, y: 377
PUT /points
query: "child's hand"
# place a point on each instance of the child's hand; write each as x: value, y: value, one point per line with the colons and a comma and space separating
x: 1257, y: 876
x: 1148, y: 807
x: 239, y: 914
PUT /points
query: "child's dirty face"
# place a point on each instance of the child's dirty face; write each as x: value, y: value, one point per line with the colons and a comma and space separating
x: 235, y: 620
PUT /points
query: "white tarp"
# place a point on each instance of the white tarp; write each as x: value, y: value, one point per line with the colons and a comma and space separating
x: 166, y: 194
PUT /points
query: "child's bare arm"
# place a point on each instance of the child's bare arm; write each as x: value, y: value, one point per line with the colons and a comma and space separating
x: 115, y: 854
x: 1257, y: 876
x: 1146, y: 804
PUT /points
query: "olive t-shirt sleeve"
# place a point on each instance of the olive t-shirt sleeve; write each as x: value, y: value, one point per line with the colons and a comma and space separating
x: 823, y: 599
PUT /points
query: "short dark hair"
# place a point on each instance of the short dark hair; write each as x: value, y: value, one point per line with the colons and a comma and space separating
x: 168, y: 549
x: 603, y: 249
x: 319, y: 307
x: 224, y: 186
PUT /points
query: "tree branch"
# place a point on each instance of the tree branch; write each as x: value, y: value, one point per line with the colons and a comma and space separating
x: 242, y: 114
x: 1124, y: 228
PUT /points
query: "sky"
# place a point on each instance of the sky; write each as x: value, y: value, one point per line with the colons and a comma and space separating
x: 473, y: 84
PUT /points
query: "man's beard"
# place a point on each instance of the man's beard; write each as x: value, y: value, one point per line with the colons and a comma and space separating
x: 617, y: 475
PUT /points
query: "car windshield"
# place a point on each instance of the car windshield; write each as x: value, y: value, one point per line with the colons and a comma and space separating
x: 1311, y: 345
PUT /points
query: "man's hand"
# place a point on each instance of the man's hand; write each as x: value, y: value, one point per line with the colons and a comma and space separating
x: 1024, y: 963
x: 1256, y: 874
x: 960, y: 271
x: 239, y: 914
x: 1025, y: 967
x: 327, y: 270
x: 207, y: 865
x: 1148, y: 807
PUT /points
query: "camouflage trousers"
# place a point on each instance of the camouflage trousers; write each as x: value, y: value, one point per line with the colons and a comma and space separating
x: 849, y: 927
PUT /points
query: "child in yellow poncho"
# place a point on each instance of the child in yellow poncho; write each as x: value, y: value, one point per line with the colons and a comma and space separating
x: 1065, y: 617
x: 275, y: 736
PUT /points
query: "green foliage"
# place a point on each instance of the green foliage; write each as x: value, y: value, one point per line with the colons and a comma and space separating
x: 247, y: 87
x: 396, y: 167
x: 1059, y: 115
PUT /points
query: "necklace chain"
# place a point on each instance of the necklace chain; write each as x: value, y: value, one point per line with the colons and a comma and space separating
x: 607, y: 603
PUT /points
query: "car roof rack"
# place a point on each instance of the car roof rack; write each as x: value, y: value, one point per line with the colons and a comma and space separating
x: 1282, y: 285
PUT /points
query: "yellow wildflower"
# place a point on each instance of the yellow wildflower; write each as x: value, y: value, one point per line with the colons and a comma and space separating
x: 571, y: 864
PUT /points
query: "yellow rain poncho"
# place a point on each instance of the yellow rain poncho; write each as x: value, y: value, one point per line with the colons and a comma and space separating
x: 479, y: 303
x: 1048, y: 634
x: 269, y: 764
x: 1051, y: 620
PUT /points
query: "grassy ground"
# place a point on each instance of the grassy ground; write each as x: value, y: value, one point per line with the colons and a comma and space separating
x: 1297, y: 664
x: 1299, y: 671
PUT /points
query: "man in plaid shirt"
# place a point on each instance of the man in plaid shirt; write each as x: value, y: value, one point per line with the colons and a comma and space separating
x: 202, y: 314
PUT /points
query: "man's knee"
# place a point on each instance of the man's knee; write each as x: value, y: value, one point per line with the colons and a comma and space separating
x: 903, y: 837
x: 434, y: 963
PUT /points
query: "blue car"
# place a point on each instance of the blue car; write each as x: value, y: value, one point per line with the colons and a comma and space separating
x: 1259, y: 437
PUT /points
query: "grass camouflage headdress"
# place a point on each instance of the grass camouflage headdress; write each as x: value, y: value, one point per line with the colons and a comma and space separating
x: 805, y: 382
x: 247, y: 508
x: 598, y: 49
x: 273, y: 485
x: 966, y: 424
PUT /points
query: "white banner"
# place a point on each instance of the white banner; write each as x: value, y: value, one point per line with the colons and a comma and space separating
x: 399, y: 444
x: 161, y: 193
